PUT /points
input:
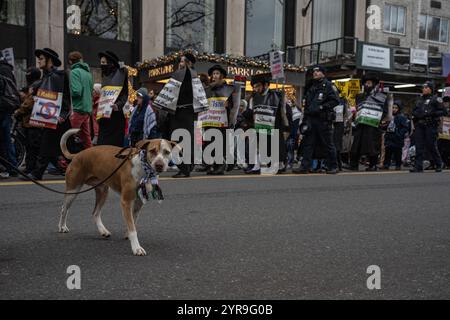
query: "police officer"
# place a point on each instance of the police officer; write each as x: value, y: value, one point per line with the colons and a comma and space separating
x: 321, y: 99
x: 426, y: 115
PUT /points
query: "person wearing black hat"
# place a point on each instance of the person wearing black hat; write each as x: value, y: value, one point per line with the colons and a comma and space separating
x: 372, y: 107
x: 220, y: 96
x: 269, y: 113
x: 394, y: 139
x: 54, y: 80
x: 184, y: 108
x: 33, y: 135
x: 112, y: 128
x: 321, y: 99
x: 426, y: 116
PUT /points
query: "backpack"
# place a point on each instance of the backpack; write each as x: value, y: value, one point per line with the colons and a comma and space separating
x: 10, y: 99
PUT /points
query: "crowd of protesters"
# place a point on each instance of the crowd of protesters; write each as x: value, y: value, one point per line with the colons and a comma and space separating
x: 323, y: 134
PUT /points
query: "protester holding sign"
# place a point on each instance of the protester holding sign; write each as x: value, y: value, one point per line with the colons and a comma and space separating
x: 372, y: 107
x: 220, y: 97
x: 267, y: 107
x: 183, y: 98
x: 51, y: 109
x: 114, y: 96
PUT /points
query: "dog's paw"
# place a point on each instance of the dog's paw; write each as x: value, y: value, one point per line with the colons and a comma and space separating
x: 64, y: 229
x: 140, y: 252
x: 106, y: 234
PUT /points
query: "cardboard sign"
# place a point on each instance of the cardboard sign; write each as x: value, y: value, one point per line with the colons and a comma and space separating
x: 108, y: 97
x: 369, y: 115
x: 168, y: 97
x: 8, y: 54
x: 216, y: 116
x: 47, y: 109
x: 200, y: 100
x: 277, y: 65
x: 445, y: 132
x: 264, y: 118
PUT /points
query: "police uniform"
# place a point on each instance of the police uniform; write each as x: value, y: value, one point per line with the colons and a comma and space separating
x: 426, y: 114
x: 321, y: 99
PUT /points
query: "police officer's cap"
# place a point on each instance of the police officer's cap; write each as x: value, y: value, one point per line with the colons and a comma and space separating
x: 319, y: 68
x: 429, y: 84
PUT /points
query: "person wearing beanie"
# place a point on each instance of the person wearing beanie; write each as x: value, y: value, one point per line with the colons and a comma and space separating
x: 426, y: 116
x: 394, y: 139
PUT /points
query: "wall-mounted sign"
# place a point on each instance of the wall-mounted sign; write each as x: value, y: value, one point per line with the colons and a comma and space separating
x: 161, y: 71
x: 419, y: 56
x: 374, y: 57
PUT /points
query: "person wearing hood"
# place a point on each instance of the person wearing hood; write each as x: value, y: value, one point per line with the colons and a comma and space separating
x: 394, y: 139
x: 137, y: 120
x: 372, y: 108
x: 81, y: 84
x: 112, y: 130
x: 426, y: 116
x: 9, y: 102
x: 33, y: 135
x: 321, y: 99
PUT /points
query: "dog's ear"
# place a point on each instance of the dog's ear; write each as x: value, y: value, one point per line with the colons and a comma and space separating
x: 143, y: 145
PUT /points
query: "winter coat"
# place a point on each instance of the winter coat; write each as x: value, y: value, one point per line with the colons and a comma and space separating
x: 81, y: 87
x: 396, y: 132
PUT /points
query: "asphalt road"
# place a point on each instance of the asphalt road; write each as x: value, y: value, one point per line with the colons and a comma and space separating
x: 285, y: 237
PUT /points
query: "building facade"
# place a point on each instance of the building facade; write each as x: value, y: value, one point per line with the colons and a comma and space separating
x: 310, y: 31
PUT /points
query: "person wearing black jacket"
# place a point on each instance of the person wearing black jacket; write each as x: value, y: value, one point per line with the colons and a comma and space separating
x: 394, y: 139
x: 372, y: 109
x: 321, y: 99
x: 112, y: 130
x: 50, y: 150
x: 426, y: 115
x: 7, y: 108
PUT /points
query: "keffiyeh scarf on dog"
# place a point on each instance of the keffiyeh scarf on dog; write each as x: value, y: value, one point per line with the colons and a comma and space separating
x: 152, y: 177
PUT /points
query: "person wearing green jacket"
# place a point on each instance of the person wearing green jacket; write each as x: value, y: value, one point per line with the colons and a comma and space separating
x: 81, y: 87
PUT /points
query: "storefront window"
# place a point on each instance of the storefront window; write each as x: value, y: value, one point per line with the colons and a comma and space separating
x: 12, y: 12
x: 109, y: 19
x: 265, y: 26
x: 190, y: 25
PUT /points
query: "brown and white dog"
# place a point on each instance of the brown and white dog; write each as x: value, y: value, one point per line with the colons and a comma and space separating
x: 94, y: 165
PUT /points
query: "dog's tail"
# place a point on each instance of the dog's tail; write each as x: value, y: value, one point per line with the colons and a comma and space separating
x: 63, y: 143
